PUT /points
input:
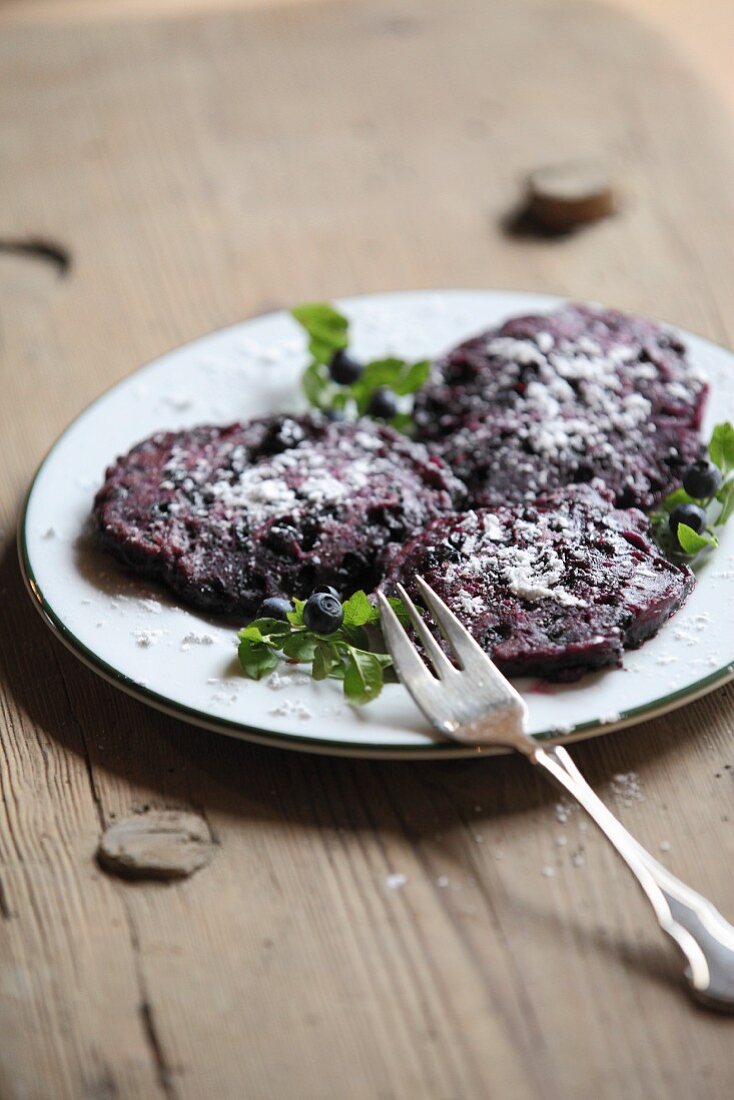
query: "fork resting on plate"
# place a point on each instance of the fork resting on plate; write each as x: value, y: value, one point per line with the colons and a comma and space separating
x: 472, y: 702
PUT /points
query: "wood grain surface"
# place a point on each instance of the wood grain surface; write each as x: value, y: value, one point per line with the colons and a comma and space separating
x: 199, y: 168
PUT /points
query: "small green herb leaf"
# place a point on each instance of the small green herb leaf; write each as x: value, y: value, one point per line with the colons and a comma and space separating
x: 324, y: 659
x: 725, y: 497
x: 363, y: 678
x: 399, y: 608
x: 295, y: 617
x: 256, y: 658
x: 328, y: 330
x: 692, y: 542
x: 358, y: 611
x: 721, y: 447
x: 316, y: 386
x: 672, y: 500
x: 412, y: 376
x: 300, y: 646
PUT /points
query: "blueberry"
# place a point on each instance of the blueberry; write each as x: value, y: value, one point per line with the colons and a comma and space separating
x: 326, y: 588
x: 691, y: 515
x: 383, y: 404
x: 343, y: 369
x: 275, y: 607
x: 323, y: 613
x: 702, y: 479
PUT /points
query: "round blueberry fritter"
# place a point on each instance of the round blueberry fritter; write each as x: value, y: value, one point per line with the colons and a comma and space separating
x: 226, y: 516
x: 562, y: 398
x: 555, y: 587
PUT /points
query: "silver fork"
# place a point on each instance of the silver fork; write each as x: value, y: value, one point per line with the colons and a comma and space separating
x: 474, y: 703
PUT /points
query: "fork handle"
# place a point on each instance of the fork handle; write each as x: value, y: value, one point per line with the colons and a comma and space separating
x: 699, y: 930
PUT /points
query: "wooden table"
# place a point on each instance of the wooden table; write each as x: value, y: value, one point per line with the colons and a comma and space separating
x: 201, y: 165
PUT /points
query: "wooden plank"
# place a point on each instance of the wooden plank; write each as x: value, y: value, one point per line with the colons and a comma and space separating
x: 202, y: 169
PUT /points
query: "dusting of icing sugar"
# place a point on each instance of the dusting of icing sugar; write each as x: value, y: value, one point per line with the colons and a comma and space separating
x: 193, y: 638
x: 147, y: 638
x: 295, y: 481
x: 627, y: 788
x: 574, y: 398
x: 291, y: 708
x: 277, y: 681
x: 533, y: 570
x: 534, y: 574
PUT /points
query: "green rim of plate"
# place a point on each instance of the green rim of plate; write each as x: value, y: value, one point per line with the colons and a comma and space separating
x: 300, y: 742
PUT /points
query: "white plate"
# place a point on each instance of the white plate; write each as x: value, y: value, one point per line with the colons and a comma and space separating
x: 182, y: 663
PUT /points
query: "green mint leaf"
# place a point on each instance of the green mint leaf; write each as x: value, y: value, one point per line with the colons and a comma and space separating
x: 324, y: 659
x: 721, y: 447
x: 403, y: 422
x: 316, y: 385
x: 295, y: 617
x: 300, y: 646
x: 672, y: 500
x: 412, y: 377
x: 358, y: 611
x: 327, y: 329
x: 256, y: 659
x: 692, y: 542
x: 380, y: 372
x: 725, y: 497
x: 400, y: 376
x: 363, y: 678
x: 399, y: 608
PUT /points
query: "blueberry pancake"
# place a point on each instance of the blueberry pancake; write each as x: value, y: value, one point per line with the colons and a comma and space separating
x: 562, y: 398
x: 554, y: 587
x: 226, y: 516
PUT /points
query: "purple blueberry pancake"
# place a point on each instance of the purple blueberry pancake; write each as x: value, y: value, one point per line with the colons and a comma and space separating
x: 226, y: 516
x: 562, y: 398
x: 555, y: 587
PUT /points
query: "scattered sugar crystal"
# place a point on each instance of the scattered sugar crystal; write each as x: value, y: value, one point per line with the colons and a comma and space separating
x: 626, y: 787
x: 152, y: 605
x: 564, y: 809
x: 578, y: 859
x: 276, y: 681
x: 147, y: 638
x: 192, y: 638
x: 49, y: 533
x: 561, y: 841
x: 291, y: 708
x: 442, y: 881
x: 664, y: 845
x: 548, y: 871
x: 396, y: 880
x: 178, y: 401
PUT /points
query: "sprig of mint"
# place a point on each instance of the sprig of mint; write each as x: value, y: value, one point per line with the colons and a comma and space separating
x: 719, y: 508
x: 350, y: 654
x: 328, y: 332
